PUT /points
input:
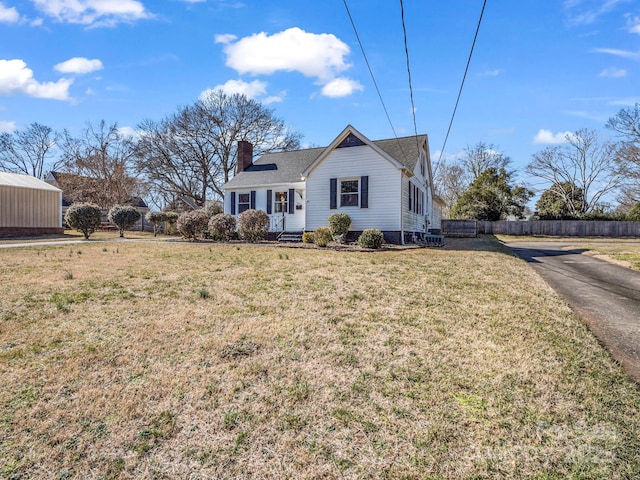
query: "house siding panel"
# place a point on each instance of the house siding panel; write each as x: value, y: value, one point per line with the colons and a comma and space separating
x: 30, y: 208
x: 413, y: 222
x: 295, y: 220
x: 354, y: 162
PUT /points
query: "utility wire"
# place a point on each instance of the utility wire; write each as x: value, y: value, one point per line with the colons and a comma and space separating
x: 462, y: 84
x: 406, y: 51
x: 373, y: 78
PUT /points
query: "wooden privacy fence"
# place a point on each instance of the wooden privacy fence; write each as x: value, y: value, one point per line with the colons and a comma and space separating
x: 554, y: 228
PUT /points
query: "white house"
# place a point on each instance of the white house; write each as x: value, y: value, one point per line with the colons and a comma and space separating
x: 383, y: 184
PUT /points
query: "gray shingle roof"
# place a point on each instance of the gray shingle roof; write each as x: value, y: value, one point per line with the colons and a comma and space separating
x: 290, y: 165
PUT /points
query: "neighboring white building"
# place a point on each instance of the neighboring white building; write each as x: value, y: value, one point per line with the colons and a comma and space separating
x: 383, y: 184
x: 29, y: 206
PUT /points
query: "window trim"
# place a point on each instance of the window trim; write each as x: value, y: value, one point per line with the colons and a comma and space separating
x: 246, y: 204
x: 357, y: 194
x: 280, y: 206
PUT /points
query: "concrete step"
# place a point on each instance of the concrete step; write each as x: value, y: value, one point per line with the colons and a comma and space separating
x: 293, y: 237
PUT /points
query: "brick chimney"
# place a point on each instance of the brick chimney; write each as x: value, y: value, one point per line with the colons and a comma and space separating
x: 245, y: 156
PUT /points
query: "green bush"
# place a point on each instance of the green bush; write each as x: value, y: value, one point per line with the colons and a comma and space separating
x: 634, y: 213
x: 308, y: 237
x: 124, y: 217
x: 192, y: 224
x: 253, y: 225
x: 339, y: 224
x: 371, y: 238
x: 322, y: 236
x: 84, y: 217
x: 222, y: 227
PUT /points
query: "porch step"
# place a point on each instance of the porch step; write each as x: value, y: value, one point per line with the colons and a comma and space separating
x: 294, y: 237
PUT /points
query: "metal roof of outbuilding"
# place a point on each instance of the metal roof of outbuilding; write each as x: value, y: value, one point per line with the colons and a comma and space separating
x: 24, y: 181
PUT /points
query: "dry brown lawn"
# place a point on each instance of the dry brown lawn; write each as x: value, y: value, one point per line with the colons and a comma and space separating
x: 193, y: 361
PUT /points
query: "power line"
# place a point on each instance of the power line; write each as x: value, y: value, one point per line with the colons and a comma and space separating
x: 373, y: 78
x: 462, y: 84
x: 406, y: 51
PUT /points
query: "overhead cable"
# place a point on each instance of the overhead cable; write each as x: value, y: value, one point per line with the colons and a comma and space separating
x: 462, y: 84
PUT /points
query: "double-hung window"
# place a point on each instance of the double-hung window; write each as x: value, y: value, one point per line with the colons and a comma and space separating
x: 350, y: 192
x: 280, y: 202
x: 244, y: 202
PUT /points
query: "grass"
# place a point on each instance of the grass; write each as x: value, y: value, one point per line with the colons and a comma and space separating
x: 623, y: 250
x: 98, y: 235
x: 156, y: 360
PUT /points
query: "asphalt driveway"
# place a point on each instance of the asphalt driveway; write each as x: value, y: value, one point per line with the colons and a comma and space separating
x: 605, y: 295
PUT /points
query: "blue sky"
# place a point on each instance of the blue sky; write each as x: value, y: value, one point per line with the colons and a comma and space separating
x: 540, y: 67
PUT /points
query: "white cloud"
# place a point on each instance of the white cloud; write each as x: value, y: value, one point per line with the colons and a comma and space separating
x: 320, y: 56
x: 274, y: 98
x: 254, y: 90
x: 547, y: 137
x: 95, y: 13
x: 613, y: 72
x: 294, y: 50
x: 634, y: 24
x: 224, y: 38
x: 7, y: 127
x: 250, y: 89
x: 586, y: 12
x: 490, y: 73
x: 8, y: 14
x: 618, y: 53
x: 79, y: 65
x: 341, y: 87
x: 16, y: 78
x: 128, y: 132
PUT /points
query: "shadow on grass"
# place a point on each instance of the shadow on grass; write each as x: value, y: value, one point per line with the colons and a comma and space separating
x: 482, y: 243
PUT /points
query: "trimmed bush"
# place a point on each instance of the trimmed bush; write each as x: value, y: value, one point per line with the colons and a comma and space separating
x: 308, y: 237
x: 253, y: 225
x: 322, y: 236
x: 171, y: 218
x: 84, y: 217
x: 222, y: 227
x: 213, y: 208
x: 192, y: 224
x: 156, y: 218
x: 339, y: 224
x: 371, y: 238
x: 124, y: 217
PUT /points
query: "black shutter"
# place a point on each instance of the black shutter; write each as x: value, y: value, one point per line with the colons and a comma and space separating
x: 253, y: 200
x: 269, y: 199
x: 364, y: 192
x: 292, y: 201
x: 410, y: 204
x: 233, y: 203
x: 333, y: 193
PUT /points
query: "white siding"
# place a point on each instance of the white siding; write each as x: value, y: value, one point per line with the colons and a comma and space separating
x: 384, y: 189
x: 294, y: 222
x: 30, y: 207
x: 413, y: 222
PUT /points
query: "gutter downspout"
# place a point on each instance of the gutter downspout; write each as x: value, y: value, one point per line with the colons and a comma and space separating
x: 401, y: 207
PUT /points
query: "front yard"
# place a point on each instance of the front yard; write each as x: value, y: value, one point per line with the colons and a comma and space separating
x: 177, y: 360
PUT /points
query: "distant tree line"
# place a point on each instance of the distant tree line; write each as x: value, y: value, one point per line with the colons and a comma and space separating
x: 188, y: 155
x: 580, y: 175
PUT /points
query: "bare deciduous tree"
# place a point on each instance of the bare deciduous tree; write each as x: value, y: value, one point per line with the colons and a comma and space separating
x: 583, y: 162
x: 193, y: 152
x: 450, y: 181
x: 626, y: 124
x: 98, y: 166
x: 482, y: 156
x: 28, y: 151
